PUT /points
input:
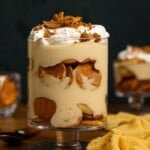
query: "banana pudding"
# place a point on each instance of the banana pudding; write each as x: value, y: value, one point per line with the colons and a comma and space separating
x: 131, y: 70
x: 67, y: 73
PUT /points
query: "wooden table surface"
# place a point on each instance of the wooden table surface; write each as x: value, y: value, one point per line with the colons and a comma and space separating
x: 19, y: 120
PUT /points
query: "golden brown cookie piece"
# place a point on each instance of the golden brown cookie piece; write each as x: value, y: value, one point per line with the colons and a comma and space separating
x: 92, y: 122
x: 128, y: 85
x: 144, y: 85
x: 60, y: 20
x: 89, y: 60
x: 58, y: 71
x: 88, y: 36
x: 87, y: 72
x: 44, y: 108
x: 70, y: 61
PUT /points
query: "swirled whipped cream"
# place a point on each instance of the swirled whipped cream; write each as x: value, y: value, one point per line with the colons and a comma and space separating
x: 135, y: 52
x: 67, y: 29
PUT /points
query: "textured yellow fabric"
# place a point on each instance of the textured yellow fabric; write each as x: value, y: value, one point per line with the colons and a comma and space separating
x: 126, y: 132
x: 115, y: 120
x: 114, y: 141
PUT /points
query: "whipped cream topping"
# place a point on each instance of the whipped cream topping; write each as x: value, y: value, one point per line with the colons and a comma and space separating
x: 134, y: 53
x: 65, y: 35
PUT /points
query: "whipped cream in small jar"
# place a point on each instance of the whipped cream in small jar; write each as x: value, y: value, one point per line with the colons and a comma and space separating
x: 67, y: 73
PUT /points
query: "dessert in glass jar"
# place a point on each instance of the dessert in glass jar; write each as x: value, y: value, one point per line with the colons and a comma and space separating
x: 67, y: 74
x: 132, y: 73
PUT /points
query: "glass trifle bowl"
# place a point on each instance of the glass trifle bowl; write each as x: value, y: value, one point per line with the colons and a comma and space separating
x: 67, y: 77
x: 132, y: 75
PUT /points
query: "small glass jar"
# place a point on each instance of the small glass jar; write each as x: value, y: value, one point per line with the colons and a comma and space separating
x: 10, y: 93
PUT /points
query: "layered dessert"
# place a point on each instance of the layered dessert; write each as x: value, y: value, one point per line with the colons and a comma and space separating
x: 9, y: 93
x: 67, y: 73
x: 132, y: 70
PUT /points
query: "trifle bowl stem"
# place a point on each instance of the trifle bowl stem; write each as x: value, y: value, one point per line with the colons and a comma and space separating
x: 67, y: 140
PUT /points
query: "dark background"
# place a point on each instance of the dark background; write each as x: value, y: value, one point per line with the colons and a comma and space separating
x: 127, y: 21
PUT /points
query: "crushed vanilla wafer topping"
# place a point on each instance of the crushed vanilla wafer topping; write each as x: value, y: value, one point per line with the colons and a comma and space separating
x: 63, y: 27
x: 60, y: 20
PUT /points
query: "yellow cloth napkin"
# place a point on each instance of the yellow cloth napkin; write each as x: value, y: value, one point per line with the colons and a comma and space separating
x: 126, y: 132
x: 114, y: 141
